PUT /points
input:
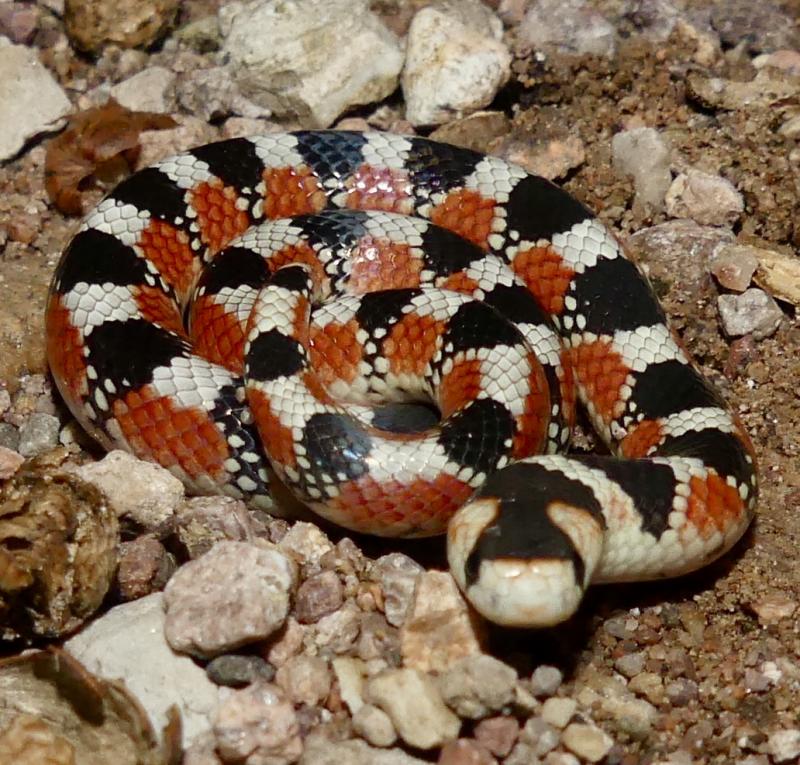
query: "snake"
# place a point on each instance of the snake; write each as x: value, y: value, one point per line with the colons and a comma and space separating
x: 400, y: 331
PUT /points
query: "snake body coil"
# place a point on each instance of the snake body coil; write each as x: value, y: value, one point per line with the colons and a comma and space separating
x: 334, y: 282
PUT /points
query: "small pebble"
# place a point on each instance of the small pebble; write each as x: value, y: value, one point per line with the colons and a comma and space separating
x: 704, y: 198
x: 753, y: 312
x: 306, y: 543
x: 349, y: 673
x: 465, y: 751
x: 546, y: 680
x: 237, y: 671
x: 497, y: 734
x: 305, y: 679
x: 648, y: 684
x: 784, y: 745
x: 773, y: 608
x: 539, y: 735
x: 587, y: 741
x: 257, y: 725
x: 439, y: 628
x: 733, y: 266
x: 645, y: 155
x: 477, y: 685
x: 755, y: 681
x: 141, y: 491
x: 374, y: 726
x: 144, y: 567
x: 558, y: 711
x: 318, y: 596
x: 521, y: 754
x: 9, y: 435
x: 681, y: 692
x: 38, y: 434
x: 630, y: 664
x: 412, y: 701
x: 397, y: 574
x: 561, y: 758
x: 10, y: 462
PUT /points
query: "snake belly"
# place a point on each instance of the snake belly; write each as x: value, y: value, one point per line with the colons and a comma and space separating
x: 399, y: 329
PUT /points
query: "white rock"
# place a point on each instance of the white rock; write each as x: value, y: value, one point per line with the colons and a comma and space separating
x: 374, y: 725
x: 705, y: 198
x: 212, y: 93
x: 451, y: 68
x: 139, y: 490
x: 753, y: 312
x: 784, y: 745
x: 349, y: 674
x: 151, y: 90
x: 397, y: 575
x: 643, y: 154
x: 569, y: 26
x: 557, y: 710
x: 31, y: 101
x: 478, y: 685
x: 310, y: 59
x: 320, y: 750
x: 128, y: 644
x: 416, y: 709
x: 587, y: 741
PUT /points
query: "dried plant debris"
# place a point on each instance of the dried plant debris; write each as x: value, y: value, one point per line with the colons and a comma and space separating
x: 58, y: 550
x: 101, y: 145
x: 55, y: 712
x: 779, y: 274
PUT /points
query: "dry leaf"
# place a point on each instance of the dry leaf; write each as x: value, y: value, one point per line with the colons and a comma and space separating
x: 55, y: 712
x: 99, y: 145
x: 779, y: 275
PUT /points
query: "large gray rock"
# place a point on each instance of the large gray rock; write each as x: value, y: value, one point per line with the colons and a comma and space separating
x: 128, y: 644
x: 310, y: 59
x: 31, y: 101
x: 453, y: 67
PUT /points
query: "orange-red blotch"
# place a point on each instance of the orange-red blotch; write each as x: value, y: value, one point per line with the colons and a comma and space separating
x: 159, y: 429
x: 602, y: 373
x: 420, y: 507
x: 459, y: 282
x: 169, y: 250
x: 533, y: 423
x: 65, y: 352
x: 217, y: 334
x: 468, y: 214
x: 379, y: 264
x: 300, y: 328
x: 292, y: 191
x: 641, y: 439
x: 713, y: 505
x: 459, y: 386
x: 276, y: 437
x: 412, y: 343
x: 569, y: 391
x: 335, y: 352
x: 546, y: 276
x: 299, y: 253
x: 380, y: 188
x: 158, y: 308
x: 219, y: 218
